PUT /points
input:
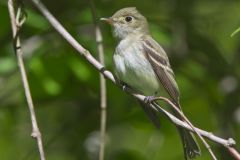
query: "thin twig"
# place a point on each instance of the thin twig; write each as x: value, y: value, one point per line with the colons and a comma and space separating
x: 16, y: 22
x: 234, y: 153
x: 225, y: 142
x: 189, y: 123
x: 86, y: 54
x: 103, y: 94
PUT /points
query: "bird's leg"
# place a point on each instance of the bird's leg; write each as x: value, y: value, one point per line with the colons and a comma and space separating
x: 125, y: 87
x: 121, y: 84
x: 150, y: 99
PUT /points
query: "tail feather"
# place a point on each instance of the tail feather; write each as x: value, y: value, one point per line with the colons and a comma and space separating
x: 150, y: 113
x: 190, y: 146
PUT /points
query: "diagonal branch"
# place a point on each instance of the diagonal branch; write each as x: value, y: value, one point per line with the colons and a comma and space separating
x: 103, y: 94
x: 86, y: 54
x: 189, y: 123
x: 17, y: 21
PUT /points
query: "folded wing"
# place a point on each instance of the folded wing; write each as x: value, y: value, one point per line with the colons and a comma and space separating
x: 161, y: 66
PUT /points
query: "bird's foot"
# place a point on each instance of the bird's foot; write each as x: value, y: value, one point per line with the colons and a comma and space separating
x: 149, y: 99
x: 124, y: 87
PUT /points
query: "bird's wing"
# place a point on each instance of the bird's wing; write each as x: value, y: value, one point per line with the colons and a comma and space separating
x: 161, y: 66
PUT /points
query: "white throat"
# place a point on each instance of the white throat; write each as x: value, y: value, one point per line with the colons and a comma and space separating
x: 124, y: 32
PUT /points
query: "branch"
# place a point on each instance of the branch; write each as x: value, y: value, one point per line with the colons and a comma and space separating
x: 17, y: 21
x: 86, y: 54
x: 103, y: 94
x: 234, y: 153
x: 229, y: 143
x: 189, y: 123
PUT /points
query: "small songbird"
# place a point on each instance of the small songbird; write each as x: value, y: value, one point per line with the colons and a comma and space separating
x: 141, y: 63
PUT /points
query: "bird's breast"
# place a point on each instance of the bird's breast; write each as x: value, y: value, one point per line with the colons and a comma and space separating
x: 133, y: 68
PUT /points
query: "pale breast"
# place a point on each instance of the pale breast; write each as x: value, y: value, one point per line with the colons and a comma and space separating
x: 133, y: 68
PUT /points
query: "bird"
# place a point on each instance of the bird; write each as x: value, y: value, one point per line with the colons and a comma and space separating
x: 142, y: 64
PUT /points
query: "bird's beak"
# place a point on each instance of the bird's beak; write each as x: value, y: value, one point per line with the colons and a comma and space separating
x: 108, y: 20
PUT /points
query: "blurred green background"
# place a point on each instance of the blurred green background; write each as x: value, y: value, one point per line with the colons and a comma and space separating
x: 65, y: 88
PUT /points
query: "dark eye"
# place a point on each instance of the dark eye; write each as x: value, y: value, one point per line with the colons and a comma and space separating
x: 128, y: 19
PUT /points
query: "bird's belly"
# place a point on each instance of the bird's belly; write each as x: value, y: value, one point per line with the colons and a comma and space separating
x: 133, y: 68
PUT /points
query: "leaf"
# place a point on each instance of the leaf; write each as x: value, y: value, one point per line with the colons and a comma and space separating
x: 235, y: 32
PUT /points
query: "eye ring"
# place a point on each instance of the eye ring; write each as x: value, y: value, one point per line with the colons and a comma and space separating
x: 128, y: 19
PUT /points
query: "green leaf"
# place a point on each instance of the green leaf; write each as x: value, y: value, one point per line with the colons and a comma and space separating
x: 235, y: 32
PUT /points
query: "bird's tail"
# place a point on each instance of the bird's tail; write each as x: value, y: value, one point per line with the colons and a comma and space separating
x: 190, y: 146
x: 150, y: 113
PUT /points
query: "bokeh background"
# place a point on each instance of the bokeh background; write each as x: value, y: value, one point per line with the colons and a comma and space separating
x: 65, y: 88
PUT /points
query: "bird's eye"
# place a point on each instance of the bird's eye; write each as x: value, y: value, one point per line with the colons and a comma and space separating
x: 128, y: 19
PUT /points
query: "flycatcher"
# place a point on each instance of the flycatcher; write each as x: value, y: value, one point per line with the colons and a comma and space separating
x: 142, y: 64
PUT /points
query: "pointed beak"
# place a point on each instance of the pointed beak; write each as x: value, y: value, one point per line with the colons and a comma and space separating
x: 108, y: 20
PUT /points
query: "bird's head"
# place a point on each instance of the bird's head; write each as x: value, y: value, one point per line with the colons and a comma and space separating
x: 127, y: 21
